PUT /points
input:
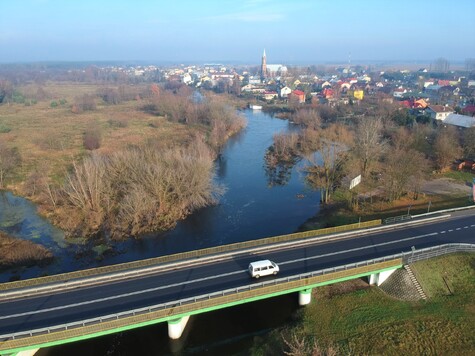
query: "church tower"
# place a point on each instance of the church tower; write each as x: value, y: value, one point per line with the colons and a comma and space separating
x: 264, y: 66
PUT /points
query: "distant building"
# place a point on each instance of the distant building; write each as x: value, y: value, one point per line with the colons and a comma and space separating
x: 439, y: 112
x: 300, y: 95
x: 460, y: 120
x: 264, y: 66
x: 271, y: 70
x: 284, y: 92
x: 358, y: 94
x: 269, y: 95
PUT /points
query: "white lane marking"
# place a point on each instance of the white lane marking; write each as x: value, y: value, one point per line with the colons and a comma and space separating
x: 451, y: 230
x: 202, y: 279
x: 119, y: 296
x: 442, y: 232
x: 458, y: 229
x: 472, y: 225
x: 358, y: 248
x: 465, y: 227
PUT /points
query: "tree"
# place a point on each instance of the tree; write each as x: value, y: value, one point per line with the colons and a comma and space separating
x: 469, y: 143
x: 369, y: 143
x: 306, y: 117
x: 446, y: 147
x: 401, y: 168
x: 326, y: 152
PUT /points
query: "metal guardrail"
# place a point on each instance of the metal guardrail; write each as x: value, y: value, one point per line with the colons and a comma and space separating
x: 395, y: 219
x: 190, y: 305
x: 182, y: 256
x: 405, y: 217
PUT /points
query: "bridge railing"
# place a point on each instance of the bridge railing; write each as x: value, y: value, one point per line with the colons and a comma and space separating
x: 166, y: 311
x: 182, y: 256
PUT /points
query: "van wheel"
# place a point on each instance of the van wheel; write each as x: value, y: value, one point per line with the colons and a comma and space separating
x: 257, y: 276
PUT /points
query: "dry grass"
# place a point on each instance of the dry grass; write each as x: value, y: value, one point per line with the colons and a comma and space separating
x: 55, y: 135
x: 16, y: 252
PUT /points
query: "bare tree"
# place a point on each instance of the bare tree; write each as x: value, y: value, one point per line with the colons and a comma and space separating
x: 469, y: 143
x: 401, y: 168
x: 307, y: 118
x: 139, y: 189
x: 326, y: 152
x: 300, y: 346
x: 446, y: 147
x: 369, y: 143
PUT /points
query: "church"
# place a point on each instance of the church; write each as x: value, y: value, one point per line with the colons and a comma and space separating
x: 271, y: 70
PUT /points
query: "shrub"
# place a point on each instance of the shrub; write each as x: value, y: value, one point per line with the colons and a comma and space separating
x: 118, y: 122
x: 53, y: 104
x: 4, y: 128
x: 92, y: 138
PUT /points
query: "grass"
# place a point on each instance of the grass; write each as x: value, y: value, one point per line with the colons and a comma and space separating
x: 55, y: 135
x: 461, y: 176
x: 365, y: 321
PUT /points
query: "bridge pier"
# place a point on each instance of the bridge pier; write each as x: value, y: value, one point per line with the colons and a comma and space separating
x: 177, y: 326
x: 379, y: 278
x: 305, y: 296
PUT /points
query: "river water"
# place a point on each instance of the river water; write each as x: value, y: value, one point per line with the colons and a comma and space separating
x: 251, y: 208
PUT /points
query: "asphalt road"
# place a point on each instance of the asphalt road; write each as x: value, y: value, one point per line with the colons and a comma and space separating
x: 79, y: 304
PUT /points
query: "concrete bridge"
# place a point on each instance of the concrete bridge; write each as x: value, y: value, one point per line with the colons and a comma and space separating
x: 64, y: 308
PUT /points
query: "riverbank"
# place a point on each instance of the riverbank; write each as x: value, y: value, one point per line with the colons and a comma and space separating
x: 441, y: 192
x: 353, y: 318
x: 15, y: 252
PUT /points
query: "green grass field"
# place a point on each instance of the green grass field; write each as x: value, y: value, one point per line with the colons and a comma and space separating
x: 366, y: 321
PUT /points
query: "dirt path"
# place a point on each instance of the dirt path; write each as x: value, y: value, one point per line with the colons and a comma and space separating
x: 446, y: 186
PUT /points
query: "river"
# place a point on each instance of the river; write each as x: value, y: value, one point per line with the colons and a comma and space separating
x: 251, y: 208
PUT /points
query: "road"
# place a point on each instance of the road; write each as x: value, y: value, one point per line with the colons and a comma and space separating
x: 79, y: 304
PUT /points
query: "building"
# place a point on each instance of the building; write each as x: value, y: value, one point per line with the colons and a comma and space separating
x: 358, y: 94
x: 269, y: 95
x: 264, y: 66
x: 460, y: 120
x: 271, y: 70
x: 439, y: 112
x: 284, y: 92
x: 299, y: 95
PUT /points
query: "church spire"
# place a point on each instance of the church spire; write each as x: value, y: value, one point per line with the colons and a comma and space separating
x: 264, y: 66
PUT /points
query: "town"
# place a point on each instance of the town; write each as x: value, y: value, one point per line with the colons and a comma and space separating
x: 433, y: 92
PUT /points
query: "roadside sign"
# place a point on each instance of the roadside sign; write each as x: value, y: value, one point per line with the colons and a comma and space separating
x: 355, y: 181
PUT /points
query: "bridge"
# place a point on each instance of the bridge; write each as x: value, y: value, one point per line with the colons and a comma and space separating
x: 64, y: 308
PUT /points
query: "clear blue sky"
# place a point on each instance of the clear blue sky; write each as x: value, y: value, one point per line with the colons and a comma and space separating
x: 219, y: 30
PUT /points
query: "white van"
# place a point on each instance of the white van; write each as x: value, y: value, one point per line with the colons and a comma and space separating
x: 262, y: 268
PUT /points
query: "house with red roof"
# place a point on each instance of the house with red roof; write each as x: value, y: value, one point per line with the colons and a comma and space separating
x: 328, y: 93
x: 469, y: 110
x: 300, y: 95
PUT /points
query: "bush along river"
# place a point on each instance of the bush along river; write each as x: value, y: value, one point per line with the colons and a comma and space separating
x: 252, y: 207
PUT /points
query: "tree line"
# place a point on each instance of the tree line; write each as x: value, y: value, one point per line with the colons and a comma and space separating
x: 393, y: 159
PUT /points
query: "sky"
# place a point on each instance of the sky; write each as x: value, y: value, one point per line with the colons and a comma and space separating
x: 291, y: 31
